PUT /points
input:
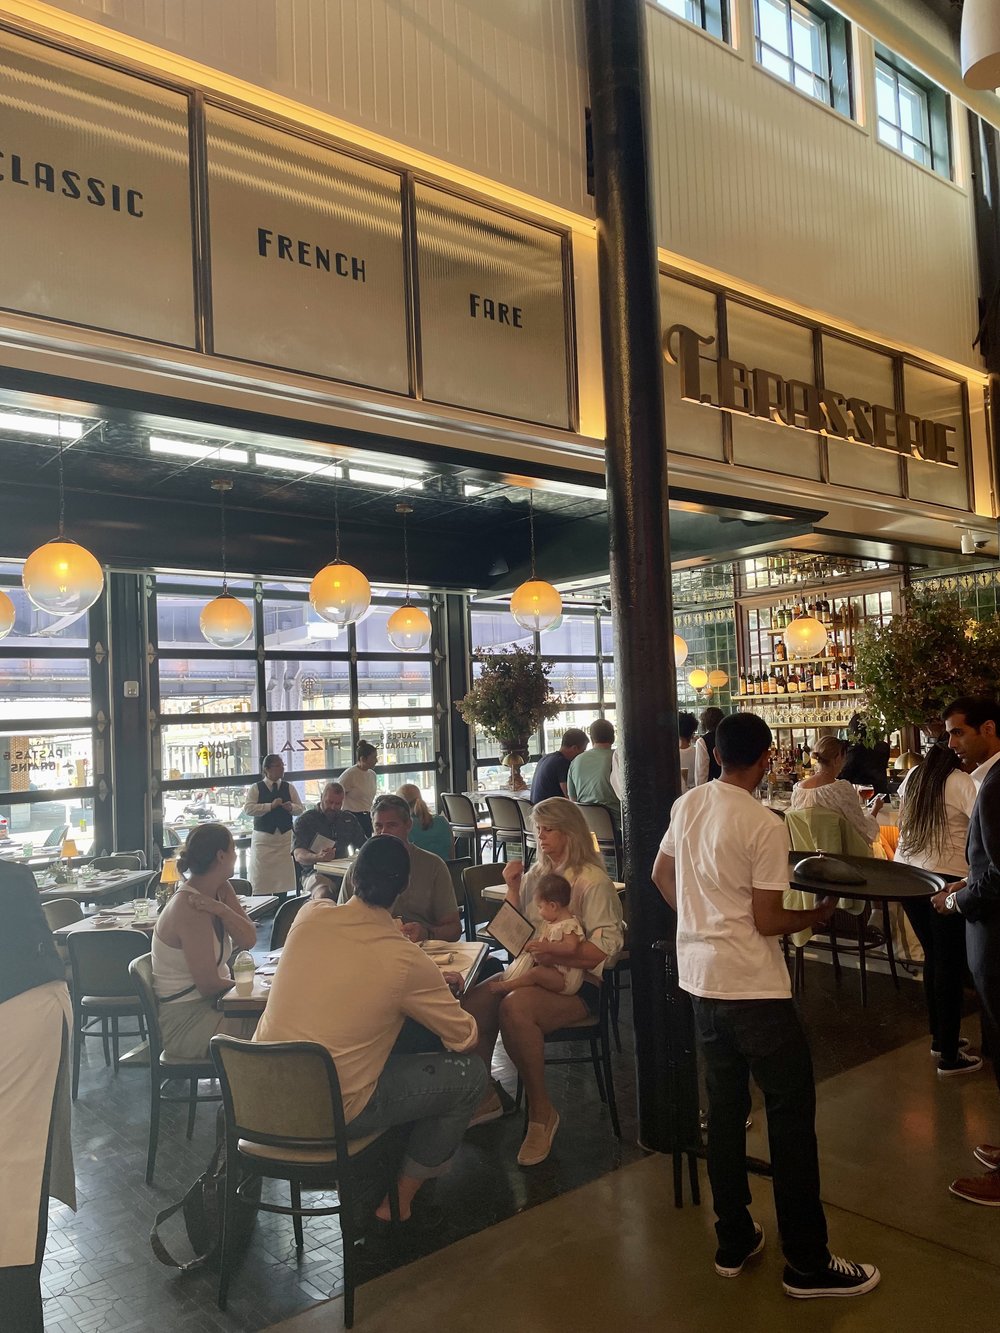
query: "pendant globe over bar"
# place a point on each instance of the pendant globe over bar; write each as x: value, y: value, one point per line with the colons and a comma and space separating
x: 409, y: 628
x: 339, y: 593
x: 981, y: 44
x: 698, y: 678
x: 805, y: 637
x: 7, y: 615
x: 225, y: 622
x: 535, y: 605
x: 717, y: 679
x: 62, y: 577
x: 680, y: 651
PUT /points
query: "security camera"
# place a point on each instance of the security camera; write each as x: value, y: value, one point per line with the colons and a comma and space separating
x: 971, y: 543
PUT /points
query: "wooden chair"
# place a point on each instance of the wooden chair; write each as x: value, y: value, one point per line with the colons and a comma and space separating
x: 479, y: 910
x: 465, y: 824
x: 101, y: 988
x: 602, y: 825
x: 161, y: 1067
x: 285, y: 1121
x: 283, y: 919
x: 120, y: 861
x: 594, y: 1031
x: 508, y: 826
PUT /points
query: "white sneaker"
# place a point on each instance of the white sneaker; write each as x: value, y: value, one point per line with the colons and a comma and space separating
x: 839, y: 1278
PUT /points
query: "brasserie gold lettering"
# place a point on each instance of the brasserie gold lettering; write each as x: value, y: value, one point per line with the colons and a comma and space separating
x: 756, y: 392
x: 15, y: 170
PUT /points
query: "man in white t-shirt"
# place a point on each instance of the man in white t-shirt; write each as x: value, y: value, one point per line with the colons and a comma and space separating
x: 723, y: 867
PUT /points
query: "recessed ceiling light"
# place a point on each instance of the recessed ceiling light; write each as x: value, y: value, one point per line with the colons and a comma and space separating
x: 390, y: 481
x: 28, y: 425
x: 469, y: 488
x: 219, y: 453
x: 300, y: 466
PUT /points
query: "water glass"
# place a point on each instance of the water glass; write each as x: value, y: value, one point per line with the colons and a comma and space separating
x: 27, y: 849
x: 140, y: 906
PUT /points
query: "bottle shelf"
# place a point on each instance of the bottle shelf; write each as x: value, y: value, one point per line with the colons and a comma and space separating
x: 800, y: 694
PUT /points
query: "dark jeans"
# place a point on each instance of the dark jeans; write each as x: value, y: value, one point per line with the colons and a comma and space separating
x: 942, y: 939
x: 762, y: 1038
x: 982, y: 941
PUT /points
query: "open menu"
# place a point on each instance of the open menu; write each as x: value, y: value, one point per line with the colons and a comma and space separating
x: 511, y: 928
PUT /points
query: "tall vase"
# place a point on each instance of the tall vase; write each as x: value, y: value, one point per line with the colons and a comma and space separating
x: 514, y: 755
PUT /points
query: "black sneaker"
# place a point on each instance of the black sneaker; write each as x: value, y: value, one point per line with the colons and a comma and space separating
x: 964, y: 1064
x: 839, y: 1278
x: 729, y: 1263
x: 963, y: 1045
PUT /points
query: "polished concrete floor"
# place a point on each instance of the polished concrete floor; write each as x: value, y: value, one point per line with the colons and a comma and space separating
x: 617, y: 1254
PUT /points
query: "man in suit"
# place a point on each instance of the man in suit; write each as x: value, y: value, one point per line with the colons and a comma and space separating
x: 973, y: 727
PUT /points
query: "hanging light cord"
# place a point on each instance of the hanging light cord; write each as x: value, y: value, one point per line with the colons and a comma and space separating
x: 336, y: 523
x: 62, y: 489
x: 531, y: 529
x: 406, y: 559
x: 222, y: 505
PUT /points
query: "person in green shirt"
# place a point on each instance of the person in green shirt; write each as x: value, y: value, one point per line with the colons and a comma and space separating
x: 589, y: 778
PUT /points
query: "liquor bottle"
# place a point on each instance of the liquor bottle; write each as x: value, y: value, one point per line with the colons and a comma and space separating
x: 751, y: 683
x: 819, y: 678
x: 743, y: 681
x: 780, y: 682
x: 833, y: 678
x: 792, y: 684
x: 806, y: 756
x: 780, y: 652
x: 772, y: 682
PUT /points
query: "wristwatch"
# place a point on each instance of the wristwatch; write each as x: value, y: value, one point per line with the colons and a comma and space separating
x: 949, y: 903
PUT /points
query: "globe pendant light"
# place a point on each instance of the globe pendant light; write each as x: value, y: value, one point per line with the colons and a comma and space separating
x: 698, y: 678
x: 225, y: 622
x: 535, y: 605
x: 409, y: 628
x: 339, y: 592
x: 7, y: 615
x: 805, y: 637
x: 62, y: 577
x: 717, y: 679
x: 980, y: 44
x: 680, y: 651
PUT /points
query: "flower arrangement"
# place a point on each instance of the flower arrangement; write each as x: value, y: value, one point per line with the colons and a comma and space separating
x: 511, y: 698
x: 912, y: 667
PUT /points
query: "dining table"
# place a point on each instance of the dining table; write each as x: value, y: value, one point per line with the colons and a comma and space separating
x: 459, y: 956
x: 124, y: 918
x: 336, y: 868
x: 103, y: 888
x: 496, y: 893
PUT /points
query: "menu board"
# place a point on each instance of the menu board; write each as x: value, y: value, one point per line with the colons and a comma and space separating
x: 492, y: 310
x: 95, y: 195
x: 306, y: 256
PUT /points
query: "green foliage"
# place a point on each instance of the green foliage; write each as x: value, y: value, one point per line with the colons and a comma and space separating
x: 512, y: 696
x: 914, y: 665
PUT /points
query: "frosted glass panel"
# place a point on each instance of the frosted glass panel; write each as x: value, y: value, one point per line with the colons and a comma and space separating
x: 859, y: 373
x: 691, y: 429
x: 933, y: 397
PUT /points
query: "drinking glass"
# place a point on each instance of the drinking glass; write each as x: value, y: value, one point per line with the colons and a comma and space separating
x: 140, y: 906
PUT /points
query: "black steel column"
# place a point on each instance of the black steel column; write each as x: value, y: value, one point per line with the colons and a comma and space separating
x: 129, y: 751
x: 637, y: 503
x: 985, y: 144
x: 457, y: 734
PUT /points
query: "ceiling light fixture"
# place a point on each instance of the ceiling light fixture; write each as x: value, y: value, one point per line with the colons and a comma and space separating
x: 300, y: 466
x: 224, y: 621
x: 339, y: 593
x: 391, y: 481
x: 805, y: 637
x: 218, y: 453
x: 980, y: 44
x: 62, y: 577
x: 8, y: 615
x: 680, y: 651
x: 52, y: 426
x: 535, y: 605
x: 409, y: 628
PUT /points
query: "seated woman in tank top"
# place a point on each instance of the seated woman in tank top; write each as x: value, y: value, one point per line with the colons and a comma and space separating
x: 195, y: 934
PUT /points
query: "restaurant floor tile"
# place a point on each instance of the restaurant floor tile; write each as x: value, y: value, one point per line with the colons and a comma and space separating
x: 100, y: 1273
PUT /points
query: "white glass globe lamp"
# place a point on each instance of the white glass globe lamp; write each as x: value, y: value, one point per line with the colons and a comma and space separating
x: 698, y: 678
x: 62, y: 577
x: 536, y: 606
x: 226, y: 622
x: 717, y: 679
x: 805, y: 637
x: 409, y: 629
x: 680, y: 651
x: 7, y: 615
x: 340, y: 593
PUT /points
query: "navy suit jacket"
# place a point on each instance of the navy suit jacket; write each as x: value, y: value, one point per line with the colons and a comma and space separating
x: 980, y: 899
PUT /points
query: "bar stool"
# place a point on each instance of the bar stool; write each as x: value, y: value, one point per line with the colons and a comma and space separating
x: 465, y: 823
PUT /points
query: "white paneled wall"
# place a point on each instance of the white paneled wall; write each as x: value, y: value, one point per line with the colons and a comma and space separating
x: 756, y: 180
x: 492, y: 86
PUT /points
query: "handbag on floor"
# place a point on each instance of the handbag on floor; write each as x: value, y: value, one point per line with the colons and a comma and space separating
x: 199, y: 1228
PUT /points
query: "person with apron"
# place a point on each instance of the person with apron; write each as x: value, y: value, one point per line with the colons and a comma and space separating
x: 361, y: 786
x: 37, y: 1155
x: 272, y: 802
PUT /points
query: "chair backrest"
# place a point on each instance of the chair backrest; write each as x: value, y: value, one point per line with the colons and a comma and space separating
x: 599, y: 821
x: 505, y: 814
x: 100, y: 960
x: 283, y: 919
x: 57, y: 837
x: 820, y: 830
x: 152, y: 884
x: 120, y: 861
x: 285, y: 1094
x: 456, y: 869
x: 141, y: 972
x: 459, y: 811
x: 242, y: 887
x: 59, y: 912
x: 474, y: 880
x: 138, y: 852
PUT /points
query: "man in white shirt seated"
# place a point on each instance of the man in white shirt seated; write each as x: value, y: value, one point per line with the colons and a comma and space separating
x: 349, y: 979
x: 723, y: 867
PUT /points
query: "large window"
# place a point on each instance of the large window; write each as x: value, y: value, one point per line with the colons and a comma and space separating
x: 711, y: 15
x: 912, y: 113
x: 807, y: 45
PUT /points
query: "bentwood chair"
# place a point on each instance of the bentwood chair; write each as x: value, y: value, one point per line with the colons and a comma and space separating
x: 480, y: 911
x: 508, y: 826
x: 284, y: 918
x: 163, y: 1068
x: 285, y: 1121
x: 595, y: 1032
x: 465, y: 824
x: 99, y: 966
x: 601, y: 824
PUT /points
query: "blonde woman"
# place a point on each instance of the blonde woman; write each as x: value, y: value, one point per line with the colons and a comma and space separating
x: 826, y: 789
x: 431, y: 832
x: 524, y: 1016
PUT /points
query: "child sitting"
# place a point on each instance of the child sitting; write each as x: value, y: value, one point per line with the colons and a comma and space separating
x: 561, y: 934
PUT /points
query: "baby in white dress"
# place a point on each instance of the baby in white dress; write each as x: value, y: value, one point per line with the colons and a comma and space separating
x: 562, y: 933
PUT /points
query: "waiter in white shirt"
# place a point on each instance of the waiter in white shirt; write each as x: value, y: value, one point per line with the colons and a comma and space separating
x: 272, y: 802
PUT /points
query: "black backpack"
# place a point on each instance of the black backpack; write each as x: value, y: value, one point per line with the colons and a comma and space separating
x: 201, y: 1209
